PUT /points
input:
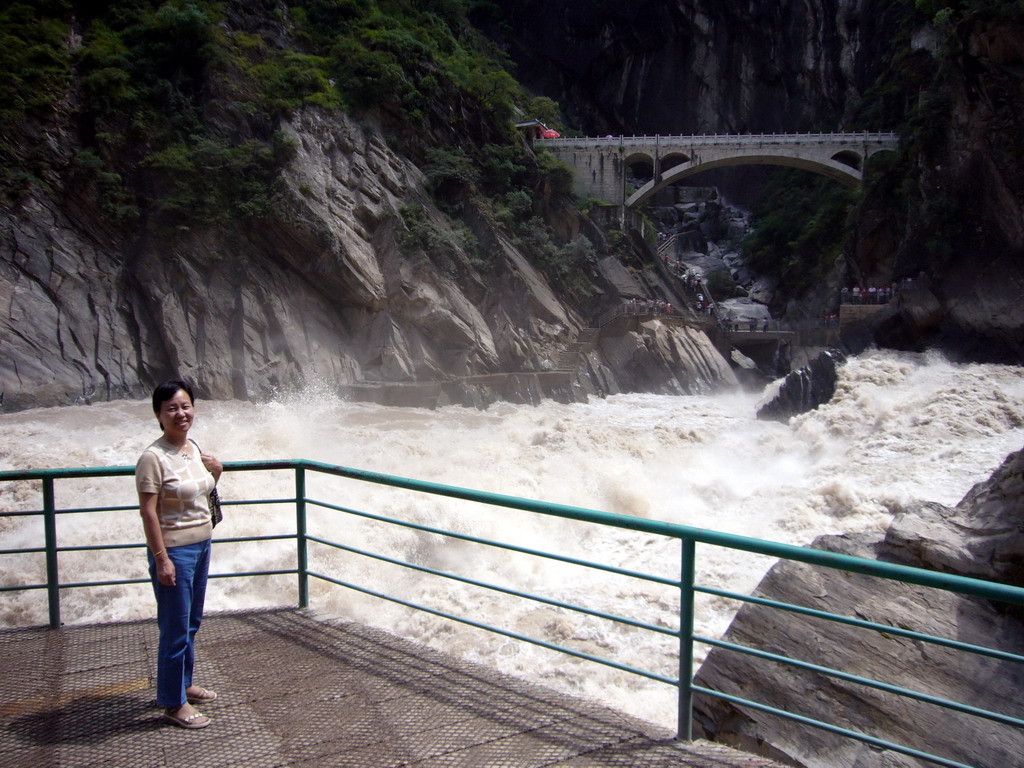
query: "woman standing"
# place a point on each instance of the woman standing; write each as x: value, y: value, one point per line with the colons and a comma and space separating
x: 174, y: 481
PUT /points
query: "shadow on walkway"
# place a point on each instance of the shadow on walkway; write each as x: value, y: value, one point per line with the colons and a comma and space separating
x: 298, y: 690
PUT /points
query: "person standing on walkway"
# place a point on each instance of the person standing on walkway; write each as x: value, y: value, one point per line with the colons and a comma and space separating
x: 174, y: 481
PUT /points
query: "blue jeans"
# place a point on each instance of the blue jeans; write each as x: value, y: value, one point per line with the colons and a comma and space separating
x: 179, y: 611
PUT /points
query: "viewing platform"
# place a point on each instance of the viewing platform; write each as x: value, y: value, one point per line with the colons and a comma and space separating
x: 298, y: 690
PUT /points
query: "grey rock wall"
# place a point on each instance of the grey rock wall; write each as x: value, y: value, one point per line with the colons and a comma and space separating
x: 699, y: 66
x: 983, y: 537
x: 962, y: 227
x: 654, y: 355
x: 321, y: 292
x: 734, y: 66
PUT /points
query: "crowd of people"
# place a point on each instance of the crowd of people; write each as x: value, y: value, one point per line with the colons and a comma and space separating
x: 691, y: 279
x: 649, y: 306
x: 871, y: 294
x: 693, y: 284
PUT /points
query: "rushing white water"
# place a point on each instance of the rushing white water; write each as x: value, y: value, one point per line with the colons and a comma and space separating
x: 901, y: 427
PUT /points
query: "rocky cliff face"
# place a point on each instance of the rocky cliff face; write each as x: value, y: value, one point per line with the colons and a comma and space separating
x: 699, y: 66
x: 983, y: 537
x: 322, y: 291
x: 963, y: 229
x: 326, y: 289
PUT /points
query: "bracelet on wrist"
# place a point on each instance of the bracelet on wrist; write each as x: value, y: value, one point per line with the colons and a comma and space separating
x: 157, y: 554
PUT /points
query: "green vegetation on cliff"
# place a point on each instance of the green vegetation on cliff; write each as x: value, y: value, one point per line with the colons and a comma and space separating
x: 498, y: 182
x: 404, y: 57
x: 161, y: 88
x: 169, y: 112
x: 34, y: 62
x: 795, y: 228
x: 947, y: 12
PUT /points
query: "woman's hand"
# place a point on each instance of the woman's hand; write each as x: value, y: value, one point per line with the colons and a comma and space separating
x: 212, y: 464
x: 165, y: 572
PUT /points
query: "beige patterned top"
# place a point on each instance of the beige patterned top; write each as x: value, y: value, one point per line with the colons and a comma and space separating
x: 183, y: 486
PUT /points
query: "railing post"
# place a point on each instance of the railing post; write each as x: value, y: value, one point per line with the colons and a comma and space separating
x: 684, y: 726
x: 50, y: 538
x: 300, y: 535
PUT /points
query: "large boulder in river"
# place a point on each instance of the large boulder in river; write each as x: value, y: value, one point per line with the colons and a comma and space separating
x: 983, y: 536
x: 805, y: 389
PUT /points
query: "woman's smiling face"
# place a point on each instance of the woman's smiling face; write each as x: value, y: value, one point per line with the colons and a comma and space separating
x: 176, y: 415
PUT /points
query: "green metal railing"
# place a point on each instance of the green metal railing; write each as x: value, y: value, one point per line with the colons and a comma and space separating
x: 683, y: 632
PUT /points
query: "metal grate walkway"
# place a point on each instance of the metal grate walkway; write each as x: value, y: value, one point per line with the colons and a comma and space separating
x: 303, y: 692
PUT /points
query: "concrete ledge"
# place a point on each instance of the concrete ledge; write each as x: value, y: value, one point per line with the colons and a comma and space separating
x: 856, y: 314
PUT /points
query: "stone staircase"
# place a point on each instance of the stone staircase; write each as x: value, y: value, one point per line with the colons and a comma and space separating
x: 588, y: 338
x: 569, y: 357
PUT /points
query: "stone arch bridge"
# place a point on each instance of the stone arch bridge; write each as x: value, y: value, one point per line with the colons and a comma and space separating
x: 602, y: 164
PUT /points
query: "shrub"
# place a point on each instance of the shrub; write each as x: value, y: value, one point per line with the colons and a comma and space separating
x: 519, y: 204
x: 546, y: 110
x: 110, y: 192
x: 720, y: 284
x: 444, y: 249
x: 213, y: 182
x: 567, y: 266
x: 450, y: 172
x: 558, y: 174
x: 502, y: 168
x: 34, y: 64
x: 798, y: 228
x: 291, y: 80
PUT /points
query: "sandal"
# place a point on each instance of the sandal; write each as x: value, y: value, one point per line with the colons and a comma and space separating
x: 195, y: 720
x: 203, y: 697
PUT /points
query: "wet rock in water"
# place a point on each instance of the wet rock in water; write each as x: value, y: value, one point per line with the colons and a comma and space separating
x: 805, y: 389
x: 982, y: 537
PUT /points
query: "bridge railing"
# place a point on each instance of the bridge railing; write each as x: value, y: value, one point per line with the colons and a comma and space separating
x: 318, y: 534
x: 725, y: 139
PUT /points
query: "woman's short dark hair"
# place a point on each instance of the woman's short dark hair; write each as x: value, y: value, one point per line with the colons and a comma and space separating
x: 167, y: 390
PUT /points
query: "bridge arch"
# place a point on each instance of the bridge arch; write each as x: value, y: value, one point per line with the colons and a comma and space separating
x: 672, y: 159
x: 844, y: 167
x: 638, y: 157
x: 852, y: 159
x: 602, y: 163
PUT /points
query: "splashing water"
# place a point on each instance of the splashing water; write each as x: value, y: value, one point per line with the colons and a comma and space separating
x: 900, y: 427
